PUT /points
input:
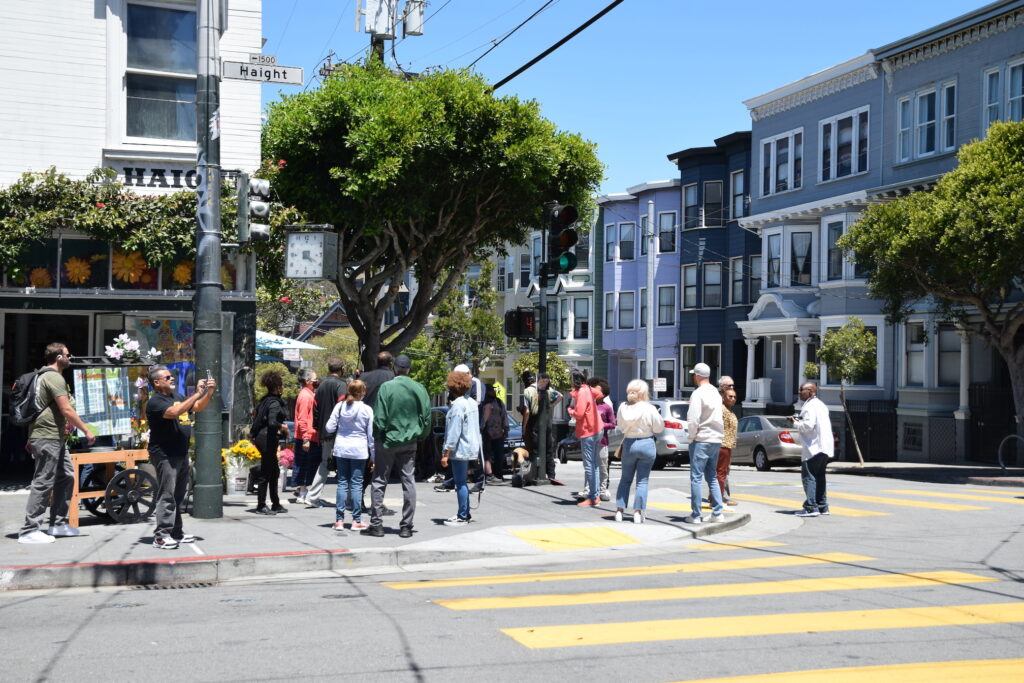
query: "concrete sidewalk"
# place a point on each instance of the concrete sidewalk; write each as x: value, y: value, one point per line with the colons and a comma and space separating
x: 509, y: 522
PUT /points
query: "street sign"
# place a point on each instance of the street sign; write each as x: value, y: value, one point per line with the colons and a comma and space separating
x: 660, y: 384
x: 240, y: 71
x: 263, y: 60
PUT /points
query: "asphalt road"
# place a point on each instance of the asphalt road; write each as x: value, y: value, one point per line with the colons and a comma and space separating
x: 901, y: 574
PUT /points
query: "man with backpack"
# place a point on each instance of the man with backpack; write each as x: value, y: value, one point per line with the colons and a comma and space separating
x: 53, y: 472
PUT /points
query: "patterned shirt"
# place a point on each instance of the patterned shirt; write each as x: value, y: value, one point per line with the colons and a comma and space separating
x: 730, y: 422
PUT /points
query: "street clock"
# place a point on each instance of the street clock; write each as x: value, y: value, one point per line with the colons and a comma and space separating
x: 311, y: 255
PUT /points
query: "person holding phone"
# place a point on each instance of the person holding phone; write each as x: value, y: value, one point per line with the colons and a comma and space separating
x: 170, y: 428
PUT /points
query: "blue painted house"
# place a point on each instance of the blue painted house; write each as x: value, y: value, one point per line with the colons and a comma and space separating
x: 629, y: 238
x: 717, y: 258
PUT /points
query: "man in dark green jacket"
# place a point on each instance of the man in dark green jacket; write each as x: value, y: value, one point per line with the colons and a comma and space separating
x: 401, y: 419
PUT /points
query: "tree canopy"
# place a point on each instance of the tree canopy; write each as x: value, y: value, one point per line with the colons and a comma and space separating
x: 558, y: 371
x: 958, y: 248
x: 420, y: 176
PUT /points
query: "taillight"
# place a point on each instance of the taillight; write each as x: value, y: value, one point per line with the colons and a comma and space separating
x: 672, y: 424
x: 786, y: 437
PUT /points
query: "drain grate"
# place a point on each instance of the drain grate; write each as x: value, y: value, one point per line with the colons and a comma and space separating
x: 118, y: 605
x: 173, y: 586
x: 341, y: 596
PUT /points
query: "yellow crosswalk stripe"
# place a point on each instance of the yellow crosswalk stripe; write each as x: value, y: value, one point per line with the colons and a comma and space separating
x: 576, y: 635
x: 966, y: 671
x: 727, y: 590
x: 902, y: 503
x: 955, y: 496
x: 573, y: 538
x: 736, y: 545
x: 770, y: 562
x: 798, y: 504
x: 992, y: 491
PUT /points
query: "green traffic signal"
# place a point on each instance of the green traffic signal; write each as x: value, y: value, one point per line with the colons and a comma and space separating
x: 561, y: 237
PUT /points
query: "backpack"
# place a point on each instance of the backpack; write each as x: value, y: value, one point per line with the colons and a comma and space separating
x: 24, y: 408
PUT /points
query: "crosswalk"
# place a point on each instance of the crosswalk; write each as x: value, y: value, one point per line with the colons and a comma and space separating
x: 522, y: 608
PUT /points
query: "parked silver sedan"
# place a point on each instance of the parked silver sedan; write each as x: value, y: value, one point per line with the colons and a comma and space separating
x: 764, y: 440
x: 673, y: 444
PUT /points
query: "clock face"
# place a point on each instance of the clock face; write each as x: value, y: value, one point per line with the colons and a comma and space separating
x: 305, y: 255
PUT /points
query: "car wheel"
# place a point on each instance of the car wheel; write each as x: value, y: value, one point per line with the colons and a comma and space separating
x: 761, y: 460
x: 660, y: 463
x: 563, y: 457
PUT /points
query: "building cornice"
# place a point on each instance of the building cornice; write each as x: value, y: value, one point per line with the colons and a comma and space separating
x: 948, y: 43
x: 763, y: 107
x: 810, y: 211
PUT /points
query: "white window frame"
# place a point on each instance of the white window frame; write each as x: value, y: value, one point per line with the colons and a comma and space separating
x: 609, y: 310
x: 742, y: 194
x: 662, y: 224
x: 716, y: 369
x: 631, y: 226
x: 833, y: 141
x: 993, y: 106
x: 920, y: 125
x: 690, y: 267
x: 688, y: 222
x: 704, y: 285
x: 908, y: 132
x: 684, y: 367
x: 672, y: 307
x: 577, y: 319
x: 619, y: 310
x: 939, y: 353
x: 564, y: 319
x: 643, y: 308
x: 948, y: 118
x: 707, y: 221
x: 777, y: 352
x: 1010, y: 96
x: 767, y: 283
x: 756, y: 276
x: 910, y: 347
x: 675, y: 383
x: 736, y: 268
x: 904, y: 129
x: 811, y: 274
x: 500, y: 285
x: 773, y: 142
x: 643, y: 236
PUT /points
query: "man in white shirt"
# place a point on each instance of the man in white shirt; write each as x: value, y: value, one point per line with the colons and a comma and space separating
x: 706, y: 431
x: 816, y: 438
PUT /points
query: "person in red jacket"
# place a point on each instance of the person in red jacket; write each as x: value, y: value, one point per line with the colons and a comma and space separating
x: 588, y: 430
x: 307, y: 443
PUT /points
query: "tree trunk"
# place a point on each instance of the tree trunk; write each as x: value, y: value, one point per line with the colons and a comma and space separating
x: 1015, y: 368
x: 849, y: 422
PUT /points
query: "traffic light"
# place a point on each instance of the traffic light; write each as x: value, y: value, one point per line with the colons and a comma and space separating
x: 253, y: 205
x: 521, y: 324
x: 561, y: 237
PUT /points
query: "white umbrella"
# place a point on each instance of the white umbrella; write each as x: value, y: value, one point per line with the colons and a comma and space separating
x: 272, y: 342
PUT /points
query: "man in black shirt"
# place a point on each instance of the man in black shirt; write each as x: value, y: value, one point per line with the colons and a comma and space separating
x: 373, y: 379
x: 332, y: 388
x: 170, y: 428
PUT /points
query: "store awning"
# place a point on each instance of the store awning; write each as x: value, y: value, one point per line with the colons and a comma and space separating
x: 272, y: 342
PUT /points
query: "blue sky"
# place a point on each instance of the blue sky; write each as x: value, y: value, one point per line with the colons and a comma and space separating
x: 650, y: 78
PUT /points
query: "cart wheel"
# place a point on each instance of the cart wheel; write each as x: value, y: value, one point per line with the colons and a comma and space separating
x: 131, y: 496
x: 94, y: 482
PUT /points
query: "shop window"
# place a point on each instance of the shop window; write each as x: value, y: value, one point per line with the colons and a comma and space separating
x: 37, y: 266
x: 85, y: 264
x: 131, y: 270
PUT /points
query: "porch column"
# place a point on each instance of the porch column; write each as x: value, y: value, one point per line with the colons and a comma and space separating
x: 801, y: 373
x: 963, y: 413
x: 751, y: 343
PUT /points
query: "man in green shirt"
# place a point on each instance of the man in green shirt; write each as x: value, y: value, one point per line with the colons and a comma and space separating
x: 53, y: 473
x: 401, y: 419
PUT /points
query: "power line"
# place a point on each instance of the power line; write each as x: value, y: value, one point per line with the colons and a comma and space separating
x: 557, y: 45
x: 509, y: 34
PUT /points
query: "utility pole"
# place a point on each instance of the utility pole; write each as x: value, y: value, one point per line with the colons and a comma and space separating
x: 651, y: 246
x: 542, y: 358
x: 207, y: 324
x: 382, y: 18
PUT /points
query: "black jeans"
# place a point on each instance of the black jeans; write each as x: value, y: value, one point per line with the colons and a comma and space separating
x: 172, y: 485
x: 270, y: 473
x: 494, y: 449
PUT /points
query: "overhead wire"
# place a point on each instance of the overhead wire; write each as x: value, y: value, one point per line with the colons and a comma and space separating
x: 509, y: 34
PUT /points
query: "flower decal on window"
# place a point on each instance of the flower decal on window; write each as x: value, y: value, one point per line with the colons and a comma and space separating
x: 129, y: 267
x: 78, y: 270
x: 41, y: 278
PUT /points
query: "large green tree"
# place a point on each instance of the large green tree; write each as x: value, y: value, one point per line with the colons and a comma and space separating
x: 958, y: 248
x: 421, y: 176
x: 849, y: 353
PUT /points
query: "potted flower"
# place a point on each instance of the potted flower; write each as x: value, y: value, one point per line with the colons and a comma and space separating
x: 236, y: 462
x: 285, y: 458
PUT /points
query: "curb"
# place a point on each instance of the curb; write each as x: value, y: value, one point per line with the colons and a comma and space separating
x: 996, y: 481
x: 217, y: 568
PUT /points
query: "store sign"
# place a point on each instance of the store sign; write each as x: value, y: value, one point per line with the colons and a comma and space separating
x: 164, y: 178
x: 291, y: 354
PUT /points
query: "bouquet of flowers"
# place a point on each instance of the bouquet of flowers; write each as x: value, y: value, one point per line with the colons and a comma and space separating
x: 140, y: 428
x: 128, y: 350
x: 242, y: 453
x: 286, y: 457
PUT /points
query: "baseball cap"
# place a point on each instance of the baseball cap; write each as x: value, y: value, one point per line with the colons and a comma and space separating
x: 403, y: 362
x: 461, y: 367
x: 701, y: 369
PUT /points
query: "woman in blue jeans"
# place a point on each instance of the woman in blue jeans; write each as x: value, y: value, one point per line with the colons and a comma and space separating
x: 352, y: 421
x: 639, y: 422
x: 461, y: 441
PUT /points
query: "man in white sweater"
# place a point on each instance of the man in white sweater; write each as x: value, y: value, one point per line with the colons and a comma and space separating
x: 816, y: 438
x: 706, y: 431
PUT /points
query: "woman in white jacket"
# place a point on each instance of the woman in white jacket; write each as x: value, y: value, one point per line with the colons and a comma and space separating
x: 639, y: 422
x: 352, y: 421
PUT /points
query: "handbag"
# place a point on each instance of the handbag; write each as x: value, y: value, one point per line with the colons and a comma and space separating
x: 618, y: 452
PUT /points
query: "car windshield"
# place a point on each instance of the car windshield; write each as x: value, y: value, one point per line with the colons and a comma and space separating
x: 780, y: 422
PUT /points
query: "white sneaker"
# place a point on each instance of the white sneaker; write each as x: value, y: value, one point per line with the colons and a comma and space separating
x: 728, y: 508
x: 312, y: 502
x: 638, y: 518
x: 36, y: 537
x: 456, y: 521
x: 618, y: 515
x: 187, y: 538
x: 690, y: 519
x: 61, y: 530
x: 805, y: 513
x: 605, y: 496
x: 717, y: 518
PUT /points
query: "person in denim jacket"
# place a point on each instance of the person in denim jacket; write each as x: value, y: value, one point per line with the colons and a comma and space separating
x: 461, y: 441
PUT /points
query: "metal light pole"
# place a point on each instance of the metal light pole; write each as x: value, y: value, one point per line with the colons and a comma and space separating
x: 542, y: 354
x: 651, y: 246
x: 208, y: 494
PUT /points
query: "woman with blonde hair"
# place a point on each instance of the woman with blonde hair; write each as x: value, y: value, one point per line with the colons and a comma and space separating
x: 639, y: 421
x: 352, y: 421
